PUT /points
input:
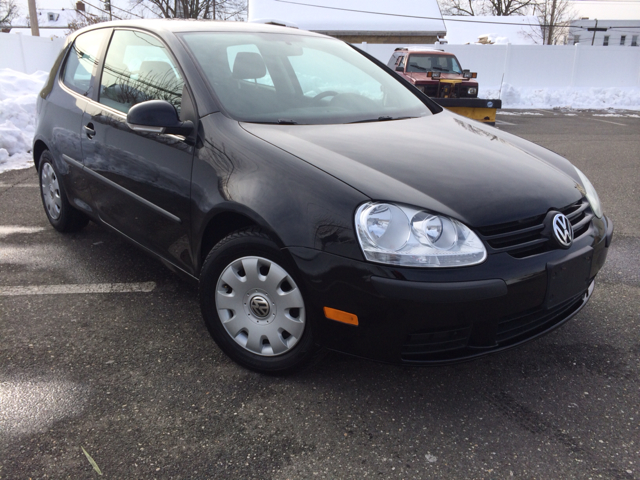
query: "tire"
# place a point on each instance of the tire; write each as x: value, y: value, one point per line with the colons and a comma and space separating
x: 62, y: 216
x: 252, y: 305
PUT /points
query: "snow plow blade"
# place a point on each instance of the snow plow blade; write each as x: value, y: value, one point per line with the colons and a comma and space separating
x: 475, y: 108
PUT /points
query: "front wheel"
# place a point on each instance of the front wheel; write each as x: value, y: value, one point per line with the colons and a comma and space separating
x: 252, y: 305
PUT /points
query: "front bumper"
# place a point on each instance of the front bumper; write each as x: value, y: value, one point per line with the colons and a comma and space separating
x: 432, y: 316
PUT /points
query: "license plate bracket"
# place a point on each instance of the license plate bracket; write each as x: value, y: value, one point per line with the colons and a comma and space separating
x: 568, y: 277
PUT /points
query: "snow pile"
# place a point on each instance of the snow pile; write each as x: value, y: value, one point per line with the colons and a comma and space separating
x: 18, y: 94
x: 494, y: 38
x: 585, y: 97
x: 516, y: 30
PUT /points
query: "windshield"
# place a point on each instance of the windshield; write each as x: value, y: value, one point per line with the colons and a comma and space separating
x: 433, y: 63
x: 297, y: 79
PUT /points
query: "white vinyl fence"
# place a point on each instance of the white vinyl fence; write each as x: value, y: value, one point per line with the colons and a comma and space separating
x: 521, y: 66
x: 541, y: 66
x: 28, y: 54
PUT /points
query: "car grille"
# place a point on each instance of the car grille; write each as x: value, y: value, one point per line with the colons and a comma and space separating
x: 457, y: 91
x: 436, y: 341
x: 524, y: 238
x: 510, y: 328
x: 430, y: 90
x: 443, y: 345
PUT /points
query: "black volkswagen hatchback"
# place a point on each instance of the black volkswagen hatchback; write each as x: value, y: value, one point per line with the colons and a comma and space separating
x: 319, y: 200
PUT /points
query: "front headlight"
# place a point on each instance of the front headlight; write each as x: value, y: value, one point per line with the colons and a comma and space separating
x: 591, y: 194
x: 402, y: 235
x: 472, y: 91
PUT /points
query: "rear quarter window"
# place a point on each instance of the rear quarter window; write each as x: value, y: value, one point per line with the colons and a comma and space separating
x: 82, y: 60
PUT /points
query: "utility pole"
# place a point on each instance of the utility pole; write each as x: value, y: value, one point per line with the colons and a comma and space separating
x: 33, y: 18
x: 596, y: 29
x: 107, y: 7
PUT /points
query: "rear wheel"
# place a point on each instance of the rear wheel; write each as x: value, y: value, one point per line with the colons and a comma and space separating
x: 62, y: 216
x: 252, y: 305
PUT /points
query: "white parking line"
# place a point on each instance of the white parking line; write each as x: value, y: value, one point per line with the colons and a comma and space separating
x: 6, y: 230
x: 502, y: 122
x: 28, y: 185
x: 607, y: 121
x: 74, y: 289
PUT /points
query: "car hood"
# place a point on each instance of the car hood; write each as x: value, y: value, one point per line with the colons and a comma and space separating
x: 444, y: 163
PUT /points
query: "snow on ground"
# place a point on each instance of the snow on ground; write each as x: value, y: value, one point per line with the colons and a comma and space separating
x: 584, y: 98
x: 18, y: 93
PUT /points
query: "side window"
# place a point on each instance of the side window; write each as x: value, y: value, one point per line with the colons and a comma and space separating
x: 138, y: 68
x: 401, y: 61
x: 82, y: 61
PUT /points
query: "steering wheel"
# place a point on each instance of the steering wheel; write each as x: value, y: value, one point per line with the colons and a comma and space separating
x: 321, y: 95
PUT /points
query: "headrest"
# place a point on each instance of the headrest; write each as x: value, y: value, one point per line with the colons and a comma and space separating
x: 248, y: 65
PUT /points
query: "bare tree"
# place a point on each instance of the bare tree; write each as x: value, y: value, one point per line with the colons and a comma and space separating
x: 555, y: 17
x: 505, y: 8
x: 8, y: 11
x: 459, y: 7
x: 497, y: 8
x: 83, y: 19
x: 207, y: 9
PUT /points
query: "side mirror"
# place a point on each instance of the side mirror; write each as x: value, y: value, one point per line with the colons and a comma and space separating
x: 157, y: 116
x: 399, y: 69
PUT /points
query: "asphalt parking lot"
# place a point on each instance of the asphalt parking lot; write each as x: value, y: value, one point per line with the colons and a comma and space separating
x: 130, y: 374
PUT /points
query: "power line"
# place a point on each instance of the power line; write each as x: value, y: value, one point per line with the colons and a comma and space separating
x: 113, y: 6
x: 126, y: 11
x: 433, y: 18
x: 101, y: 10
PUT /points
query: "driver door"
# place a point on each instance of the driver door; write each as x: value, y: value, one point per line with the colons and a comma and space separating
x: 141, y: 182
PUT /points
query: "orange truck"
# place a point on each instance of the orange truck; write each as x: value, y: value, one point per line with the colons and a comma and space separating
x: 439, y: 75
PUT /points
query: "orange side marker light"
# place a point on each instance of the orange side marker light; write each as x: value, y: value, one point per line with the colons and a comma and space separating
x: 340, y: 316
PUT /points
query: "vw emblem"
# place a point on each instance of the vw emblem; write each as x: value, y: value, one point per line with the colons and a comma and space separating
x: 562, y: 230
x: 259, y: 306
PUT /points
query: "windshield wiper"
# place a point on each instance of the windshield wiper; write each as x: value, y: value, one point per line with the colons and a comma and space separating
x: 384, y: 118
x: 285, y: 121
x: 440, y: 68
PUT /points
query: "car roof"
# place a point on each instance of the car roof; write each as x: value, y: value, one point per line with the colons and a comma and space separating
x: 172, y: 25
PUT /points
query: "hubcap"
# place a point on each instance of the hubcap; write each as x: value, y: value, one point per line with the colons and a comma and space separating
x: 260, y: 306
x: 51, y: 191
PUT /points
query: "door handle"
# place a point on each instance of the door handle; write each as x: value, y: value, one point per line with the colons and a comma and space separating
x: 88, y: 129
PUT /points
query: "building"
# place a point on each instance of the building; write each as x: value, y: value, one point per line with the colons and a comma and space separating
x: 357, y: 21
x: 51, y: 22
x: 609, y: 33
